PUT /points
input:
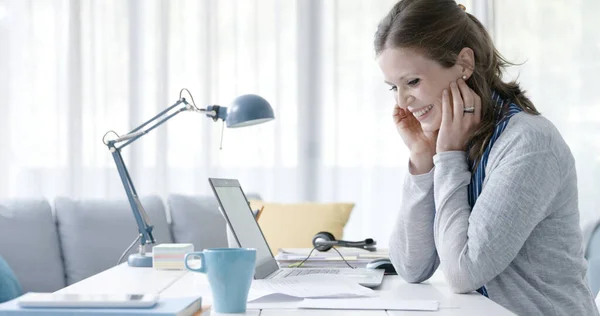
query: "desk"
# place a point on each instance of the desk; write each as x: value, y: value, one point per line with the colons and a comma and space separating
x: 125, y: 279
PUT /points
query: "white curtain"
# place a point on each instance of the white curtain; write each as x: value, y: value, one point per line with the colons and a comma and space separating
x: 72, y: 70
x: 558, y: 45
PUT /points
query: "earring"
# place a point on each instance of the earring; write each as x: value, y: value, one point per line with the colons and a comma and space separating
x: 464, y: 77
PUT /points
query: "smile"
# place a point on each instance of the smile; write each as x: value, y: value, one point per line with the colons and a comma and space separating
x: 423, y: 111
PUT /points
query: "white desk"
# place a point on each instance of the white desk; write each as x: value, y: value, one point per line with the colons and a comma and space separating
x: 124, y: 279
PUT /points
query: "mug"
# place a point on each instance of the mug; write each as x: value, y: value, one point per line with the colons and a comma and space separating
x: 230, y: 272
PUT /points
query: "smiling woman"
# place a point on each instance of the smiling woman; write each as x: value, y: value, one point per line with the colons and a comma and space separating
x: 491, y: 194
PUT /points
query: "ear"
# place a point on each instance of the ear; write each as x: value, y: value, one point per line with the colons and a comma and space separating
x: 466, y: 60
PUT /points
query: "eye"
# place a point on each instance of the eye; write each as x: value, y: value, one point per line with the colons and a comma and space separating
x: 414, y: 82
x: 393, y: 88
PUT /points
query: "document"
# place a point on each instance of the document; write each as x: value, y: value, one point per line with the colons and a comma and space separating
x: 374, y: 303
x: 310, y: 286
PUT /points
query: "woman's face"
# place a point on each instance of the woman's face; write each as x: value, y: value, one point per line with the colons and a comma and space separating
x: 417, y: 83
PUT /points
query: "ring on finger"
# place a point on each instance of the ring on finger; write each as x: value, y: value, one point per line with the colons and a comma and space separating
x: 469, y: 109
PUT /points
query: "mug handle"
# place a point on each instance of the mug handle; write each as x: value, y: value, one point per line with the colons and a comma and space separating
x: 202, y: 268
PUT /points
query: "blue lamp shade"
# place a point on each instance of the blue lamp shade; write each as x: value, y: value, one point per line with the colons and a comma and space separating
x: 248, y: 109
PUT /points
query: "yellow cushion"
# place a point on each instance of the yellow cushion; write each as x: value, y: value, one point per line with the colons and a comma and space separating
x: 295, y: 225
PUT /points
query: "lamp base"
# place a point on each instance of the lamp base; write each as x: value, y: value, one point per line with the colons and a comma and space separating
x: 139, y: 260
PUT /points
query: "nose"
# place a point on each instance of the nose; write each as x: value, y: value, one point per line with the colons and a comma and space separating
x: 403, y: 100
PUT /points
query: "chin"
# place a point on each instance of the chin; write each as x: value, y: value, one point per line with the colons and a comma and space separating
x: 432, y: 123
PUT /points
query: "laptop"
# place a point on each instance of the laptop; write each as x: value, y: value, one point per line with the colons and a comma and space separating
x: 237, y: 212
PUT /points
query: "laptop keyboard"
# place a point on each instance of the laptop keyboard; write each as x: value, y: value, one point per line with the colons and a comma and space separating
x: 296, y: 272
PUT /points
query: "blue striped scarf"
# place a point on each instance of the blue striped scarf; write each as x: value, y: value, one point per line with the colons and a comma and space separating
x: 505, y: 111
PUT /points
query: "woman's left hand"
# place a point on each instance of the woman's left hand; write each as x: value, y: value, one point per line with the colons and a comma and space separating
x: 457, y: 121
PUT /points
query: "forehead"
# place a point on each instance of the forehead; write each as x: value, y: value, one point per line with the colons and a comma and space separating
x: 398, y: 62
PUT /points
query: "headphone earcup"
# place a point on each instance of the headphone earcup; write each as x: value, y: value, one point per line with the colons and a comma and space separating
x: 323, y: 236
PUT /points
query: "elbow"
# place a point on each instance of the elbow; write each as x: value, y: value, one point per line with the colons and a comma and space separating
x: 413, y: 279
x: 460, y: 288
x: 462, y: 284
x: 416, y: 272
x: 413, y: 275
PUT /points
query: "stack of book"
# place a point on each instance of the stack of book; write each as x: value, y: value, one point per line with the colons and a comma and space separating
x: 357, y: 258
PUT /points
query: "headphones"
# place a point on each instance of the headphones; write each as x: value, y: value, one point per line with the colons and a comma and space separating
x: 324, y: 241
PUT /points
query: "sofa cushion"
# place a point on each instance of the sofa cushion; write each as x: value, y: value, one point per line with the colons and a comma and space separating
x: 9, y: 285
x: 294, y: 225
x: 594, y: 275
x: 197, y: 220
x: 95, y: 233
x: 30, y: 245
x: 593, y: 246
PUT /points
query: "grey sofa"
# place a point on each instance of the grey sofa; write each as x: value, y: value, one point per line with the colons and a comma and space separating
x: 53, y: 246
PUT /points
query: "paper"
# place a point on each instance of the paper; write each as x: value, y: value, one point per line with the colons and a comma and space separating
x: 354, y: 257
x: 376, y: 303
x: 310, y: 286
x: 275, y: 301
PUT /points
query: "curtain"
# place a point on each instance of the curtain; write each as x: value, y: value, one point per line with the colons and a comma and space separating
x: 557, y: 48
x: 72, y: 70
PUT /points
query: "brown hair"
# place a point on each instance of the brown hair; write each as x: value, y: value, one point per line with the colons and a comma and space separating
x: 440, y: 29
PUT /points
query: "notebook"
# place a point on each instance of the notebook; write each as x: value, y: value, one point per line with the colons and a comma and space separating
x: 185, y: 306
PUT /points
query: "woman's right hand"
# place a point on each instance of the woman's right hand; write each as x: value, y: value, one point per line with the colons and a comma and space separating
x: 409, y: 128
x: 421, y: 144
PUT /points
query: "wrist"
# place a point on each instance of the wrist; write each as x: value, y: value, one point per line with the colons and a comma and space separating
x: 420, y: 162
x: 418, y: 155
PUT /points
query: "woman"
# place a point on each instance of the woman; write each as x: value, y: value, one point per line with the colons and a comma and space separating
x: 491, y: 194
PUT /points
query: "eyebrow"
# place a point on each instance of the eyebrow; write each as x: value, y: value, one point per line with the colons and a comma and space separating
x: 401, y: 78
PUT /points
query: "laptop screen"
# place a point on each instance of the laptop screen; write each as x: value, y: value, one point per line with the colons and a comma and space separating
x: 243, y: 225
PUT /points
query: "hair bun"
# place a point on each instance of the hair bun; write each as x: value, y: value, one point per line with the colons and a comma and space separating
x: 462, y: 7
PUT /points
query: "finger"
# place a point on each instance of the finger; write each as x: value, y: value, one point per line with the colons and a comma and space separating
x: 467, y: 96
x: 396, y: 113
x: 457, y: 102
x: 399, y: 114
x: 477, y: 103
x: 446, y: 108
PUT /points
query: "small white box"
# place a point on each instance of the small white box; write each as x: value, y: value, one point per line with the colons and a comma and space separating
x: 170, y: 256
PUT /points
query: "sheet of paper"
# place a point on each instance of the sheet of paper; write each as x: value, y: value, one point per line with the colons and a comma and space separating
x: 377, y: 303
x: 310, y: 286
x: 275, y: 301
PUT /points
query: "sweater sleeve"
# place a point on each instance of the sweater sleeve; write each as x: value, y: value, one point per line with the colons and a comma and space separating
x: 475, y: 245
x: 412, y: 248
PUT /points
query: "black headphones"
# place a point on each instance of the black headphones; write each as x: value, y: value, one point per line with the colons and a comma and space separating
x: 324, y: 241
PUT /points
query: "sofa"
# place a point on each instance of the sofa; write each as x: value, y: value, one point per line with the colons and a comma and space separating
x: 53, y: 245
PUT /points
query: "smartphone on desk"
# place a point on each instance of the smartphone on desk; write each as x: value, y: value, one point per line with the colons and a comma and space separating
x: 87, y: 300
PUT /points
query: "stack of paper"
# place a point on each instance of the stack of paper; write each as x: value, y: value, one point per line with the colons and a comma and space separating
x: 310, y: 286
x: 373, y: 303
x: 291, y: 257
x: 325, y: 292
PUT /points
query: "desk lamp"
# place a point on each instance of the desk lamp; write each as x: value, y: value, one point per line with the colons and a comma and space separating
x: 245, y: 110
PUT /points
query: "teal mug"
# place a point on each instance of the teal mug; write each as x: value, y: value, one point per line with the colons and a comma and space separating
x: 230, y: 272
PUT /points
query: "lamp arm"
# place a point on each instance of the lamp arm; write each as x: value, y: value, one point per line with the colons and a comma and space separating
x: 136, y: 133
x: 141, y: 217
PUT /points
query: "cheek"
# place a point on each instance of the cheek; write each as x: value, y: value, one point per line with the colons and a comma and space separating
x: 434, y: 89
